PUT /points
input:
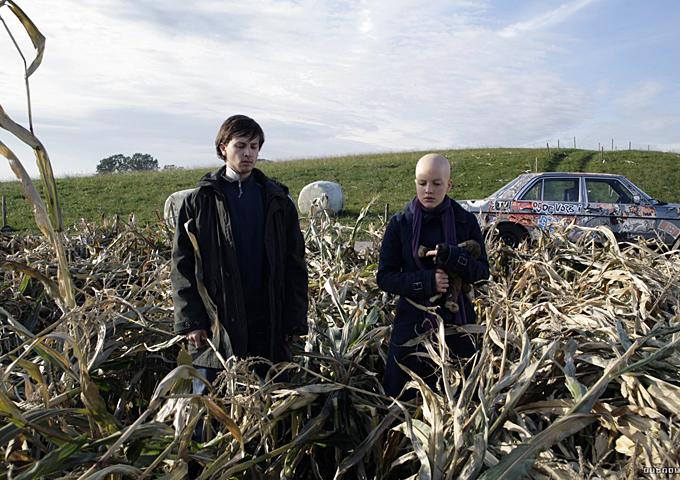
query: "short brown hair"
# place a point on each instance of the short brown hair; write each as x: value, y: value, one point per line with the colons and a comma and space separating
x: 237, y: 126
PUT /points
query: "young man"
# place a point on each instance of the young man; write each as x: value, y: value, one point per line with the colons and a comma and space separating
x: 249, y: 268
x: 437, y: 223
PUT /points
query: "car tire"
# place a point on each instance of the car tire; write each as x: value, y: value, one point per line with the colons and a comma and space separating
x: 511, y: 234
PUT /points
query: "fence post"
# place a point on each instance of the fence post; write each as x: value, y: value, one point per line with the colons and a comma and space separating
x: 5, y: 227
x: 386, y: 212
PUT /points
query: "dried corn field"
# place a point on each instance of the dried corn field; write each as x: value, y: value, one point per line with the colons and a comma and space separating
x: 577, y: 375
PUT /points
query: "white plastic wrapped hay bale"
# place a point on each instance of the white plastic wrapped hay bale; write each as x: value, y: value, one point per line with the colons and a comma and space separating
x: 172, y: 205
x: 321, y: 194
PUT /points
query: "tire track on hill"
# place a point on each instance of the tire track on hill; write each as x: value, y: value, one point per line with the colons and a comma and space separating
x: 554, y: 161
x: 584, y: 161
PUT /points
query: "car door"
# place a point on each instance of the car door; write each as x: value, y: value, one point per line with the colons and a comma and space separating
x: 554, y: 200
x: 613, y: 204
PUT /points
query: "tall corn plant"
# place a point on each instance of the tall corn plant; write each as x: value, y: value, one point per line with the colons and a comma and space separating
x: 71, y: 406
x: 48, y: 218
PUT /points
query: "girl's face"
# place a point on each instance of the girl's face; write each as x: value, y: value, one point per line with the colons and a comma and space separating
x: 432, y: 185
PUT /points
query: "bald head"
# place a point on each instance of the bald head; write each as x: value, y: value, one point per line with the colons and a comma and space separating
x: 433, y: 179
x: 435, y: 163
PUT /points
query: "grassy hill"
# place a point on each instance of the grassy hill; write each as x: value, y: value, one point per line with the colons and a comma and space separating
x: 476, y: 173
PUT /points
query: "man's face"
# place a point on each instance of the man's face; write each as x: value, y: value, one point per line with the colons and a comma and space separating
x: 241, y: 153
x: 432, y: 185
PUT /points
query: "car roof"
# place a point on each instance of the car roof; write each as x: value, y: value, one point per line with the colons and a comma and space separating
x: 510, y: 189
x: 562, y: 174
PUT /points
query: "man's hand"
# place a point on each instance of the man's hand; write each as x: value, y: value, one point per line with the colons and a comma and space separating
x: 198, y: 338
x: 441, y: 280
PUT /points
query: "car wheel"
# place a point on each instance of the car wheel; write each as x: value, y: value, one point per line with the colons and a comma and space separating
x: 511, y: 234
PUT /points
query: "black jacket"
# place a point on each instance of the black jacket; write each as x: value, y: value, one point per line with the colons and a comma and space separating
x: 206, y: 216
x: 398, y: 273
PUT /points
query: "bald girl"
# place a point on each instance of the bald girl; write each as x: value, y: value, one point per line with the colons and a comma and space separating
x: 436, y: 222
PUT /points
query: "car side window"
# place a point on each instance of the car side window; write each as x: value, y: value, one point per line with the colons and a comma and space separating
x: 560, y: 190
x: 534, y: 193
x: 607, y: 191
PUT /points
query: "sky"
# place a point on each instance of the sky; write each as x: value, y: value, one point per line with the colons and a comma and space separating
x: 328, y: 78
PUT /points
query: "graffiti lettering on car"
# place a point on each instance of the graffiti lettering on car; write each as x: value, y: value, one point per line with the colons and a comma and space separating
x: 501, y: 205
x: 552, y: 208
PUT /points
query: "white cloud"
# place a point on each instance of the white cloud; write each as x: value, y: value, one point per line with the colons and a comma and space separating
x: 324, y: 78
x: 641, y: 95
x: 546, y: 19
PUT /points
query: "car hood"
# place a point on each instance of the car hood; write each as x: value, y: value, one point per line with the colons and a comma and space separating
x: 670, y: 208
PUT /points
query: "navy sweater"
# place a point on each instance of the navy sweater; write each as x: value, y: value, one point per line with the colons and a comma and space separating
x: 246, y: 210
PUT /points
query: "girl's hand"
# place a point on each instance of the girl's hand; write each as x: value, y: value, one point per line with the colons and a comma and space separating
x: 441, y: 280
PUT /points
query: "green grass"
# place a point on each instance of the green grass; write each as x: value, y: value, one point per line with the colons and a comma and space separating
x: 476, y: 173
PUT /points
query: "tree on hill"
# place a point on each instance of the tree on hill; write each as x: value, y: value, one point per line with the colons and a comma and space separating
x: 111, y: 164
x: 142, y: 161
x: 122, y: 163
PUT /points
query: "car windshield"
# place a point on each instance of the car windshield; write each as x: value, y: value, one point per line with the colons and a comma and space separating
x: 509, y: 189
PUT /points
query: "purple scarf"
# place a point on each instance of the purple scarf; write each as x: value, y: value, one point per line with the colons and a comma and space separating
x: 449, y: 227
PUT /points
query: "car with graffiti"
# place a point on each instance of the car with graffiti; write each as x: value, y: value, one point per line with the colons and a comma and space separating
x: 535, y: 202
